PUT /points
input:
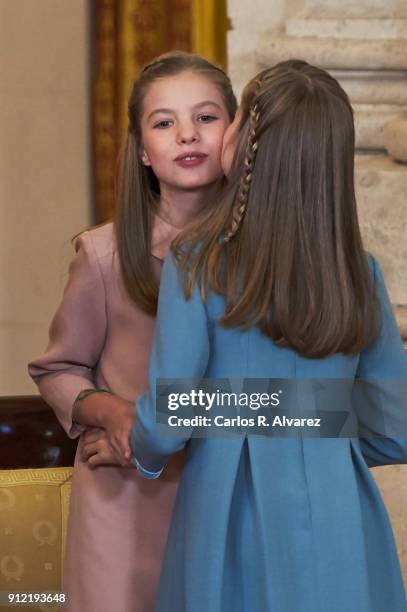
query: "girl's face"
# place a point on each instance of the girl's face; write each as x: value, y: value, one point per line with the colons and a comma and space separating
x: 182, y: 125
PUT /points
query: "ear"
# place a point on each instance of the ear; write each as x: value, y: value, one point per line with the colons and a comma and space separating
x: 144, y: 157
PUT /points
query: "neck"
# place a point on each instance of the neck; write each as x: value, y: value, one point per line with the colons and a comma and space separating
x: 178, y: 208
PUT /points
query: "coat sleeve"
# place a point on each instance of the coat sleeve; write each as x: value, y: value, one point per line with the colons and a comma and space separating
x: 180, y: 350
x: 76, y: 337
x: 383, y: 389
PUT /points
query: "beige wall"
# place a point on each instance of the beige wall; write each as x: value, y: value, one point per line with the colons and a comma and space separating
x: 44, y: 169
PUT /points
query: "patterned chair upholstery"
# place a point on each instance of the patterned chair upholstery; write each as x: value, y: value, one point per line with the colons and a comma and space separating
x: 34, y: 498
x: 34, y: 507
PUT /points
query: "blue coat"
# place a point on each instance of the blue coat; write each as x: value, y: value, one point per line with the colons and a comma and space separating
x: 263, y: 523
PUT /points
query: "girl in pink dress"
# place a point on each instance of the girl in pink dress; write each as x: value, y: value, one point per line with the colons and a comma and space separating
x: 101, y: 334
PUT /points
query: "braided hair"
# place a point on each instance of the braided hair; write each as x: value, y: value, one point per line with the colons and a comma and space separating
x: 240, y: 205
x: 283, y: 245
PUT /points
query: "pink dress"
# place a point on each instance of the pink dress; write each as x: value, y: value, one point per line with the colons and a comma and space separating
x: 118, y: 521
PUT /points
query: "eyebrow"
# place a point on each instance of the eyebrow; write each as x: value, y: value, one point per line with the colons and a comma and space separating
x: 196, y: 106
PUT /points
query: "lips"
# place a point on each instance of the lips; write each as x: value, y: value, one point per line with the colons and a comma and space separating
x: 190, y: 158
x: 190, y: 154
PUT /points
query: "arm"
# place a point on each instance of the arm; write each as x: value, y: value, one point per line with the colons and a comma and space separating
x: 77, y: 336
x: 180, y: 350
x: 384, y: 401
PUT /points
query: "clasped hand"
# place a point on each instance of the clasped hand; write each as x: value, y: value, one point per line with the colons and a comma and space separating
x: 110, y: 443
x: 97, y: 450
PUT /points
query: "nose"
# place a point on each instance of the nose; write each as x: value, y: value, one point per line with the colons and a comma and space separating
x: 187, y: 133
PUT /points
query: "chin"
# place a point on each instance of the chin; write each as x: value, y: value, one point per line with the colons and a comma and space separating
x: 198, y: 183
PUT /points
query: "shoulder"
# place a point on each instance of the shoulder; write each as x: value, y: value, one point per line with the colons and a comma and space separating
x: 98, y: 242
x: 372, y: 263
x: 377, y: 274
x: 95, y: 253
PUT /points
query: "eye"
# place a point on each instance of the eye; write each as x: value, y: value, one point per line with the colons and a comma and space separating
x: 163, y: 124
x: 207, y: 118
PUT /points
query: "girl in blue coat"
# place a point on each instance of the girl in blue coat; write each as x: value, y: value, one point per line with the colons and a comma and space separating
x: 274, y: 284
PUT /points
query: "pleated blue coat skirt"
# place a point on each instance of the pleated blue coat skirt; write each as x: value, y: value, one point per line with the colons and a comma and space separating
x: 264, y: 523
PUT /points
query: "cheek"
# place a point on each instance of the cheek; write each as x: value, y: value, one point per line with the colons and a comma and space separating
x: 217, y: 140
x: 227, y: 157
x: 225, y: 141
x: 230, y: 141
x: 157, y: 152
x: 228, y: 137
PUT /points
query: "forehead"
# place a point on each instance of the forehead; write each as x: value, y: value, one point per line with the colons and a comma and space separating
x: 183, y: 90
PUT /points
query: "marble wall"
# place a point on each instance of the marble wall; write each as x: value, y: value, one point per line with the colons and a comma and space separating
x: 44, y: 169
x: 364, y: 45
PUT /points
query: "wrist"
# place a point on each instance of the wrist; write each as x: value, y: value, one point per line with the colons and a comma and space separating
x: 89, y: 407
x: 91, y: 391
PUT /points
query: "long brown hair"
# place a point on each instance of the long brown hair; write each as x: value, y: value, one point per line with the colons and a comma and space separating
x: 283, y: 245
x: 138, y: 187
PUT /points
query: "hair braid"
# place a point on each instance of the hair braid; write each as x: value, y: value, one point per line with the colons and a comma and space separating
x: 240, y: 205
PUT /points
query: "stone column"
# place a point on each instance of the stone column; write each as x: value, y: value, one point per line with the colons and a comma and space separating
x: 248, y: 20
x: 364, y: 45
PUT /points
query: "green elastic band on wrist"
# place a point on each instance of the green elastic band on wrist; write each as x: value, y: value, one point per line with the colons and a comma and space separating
x: 86, y: 392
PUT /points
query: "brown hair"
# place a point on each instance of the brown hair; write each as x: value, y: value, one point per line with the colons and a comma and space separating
x: 284, y: 244
x: 138, y: 187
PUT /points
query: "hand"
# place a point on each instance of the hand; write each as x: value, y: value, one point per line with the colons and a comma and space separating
x: 96, y: 450
x: 118, y: 422
x: 111, y: 413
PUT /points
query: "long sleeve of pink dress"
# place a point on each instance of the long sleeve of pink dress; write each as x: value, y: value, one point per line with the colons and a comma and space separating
x: 76, y: 337
x: 118, y: 522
